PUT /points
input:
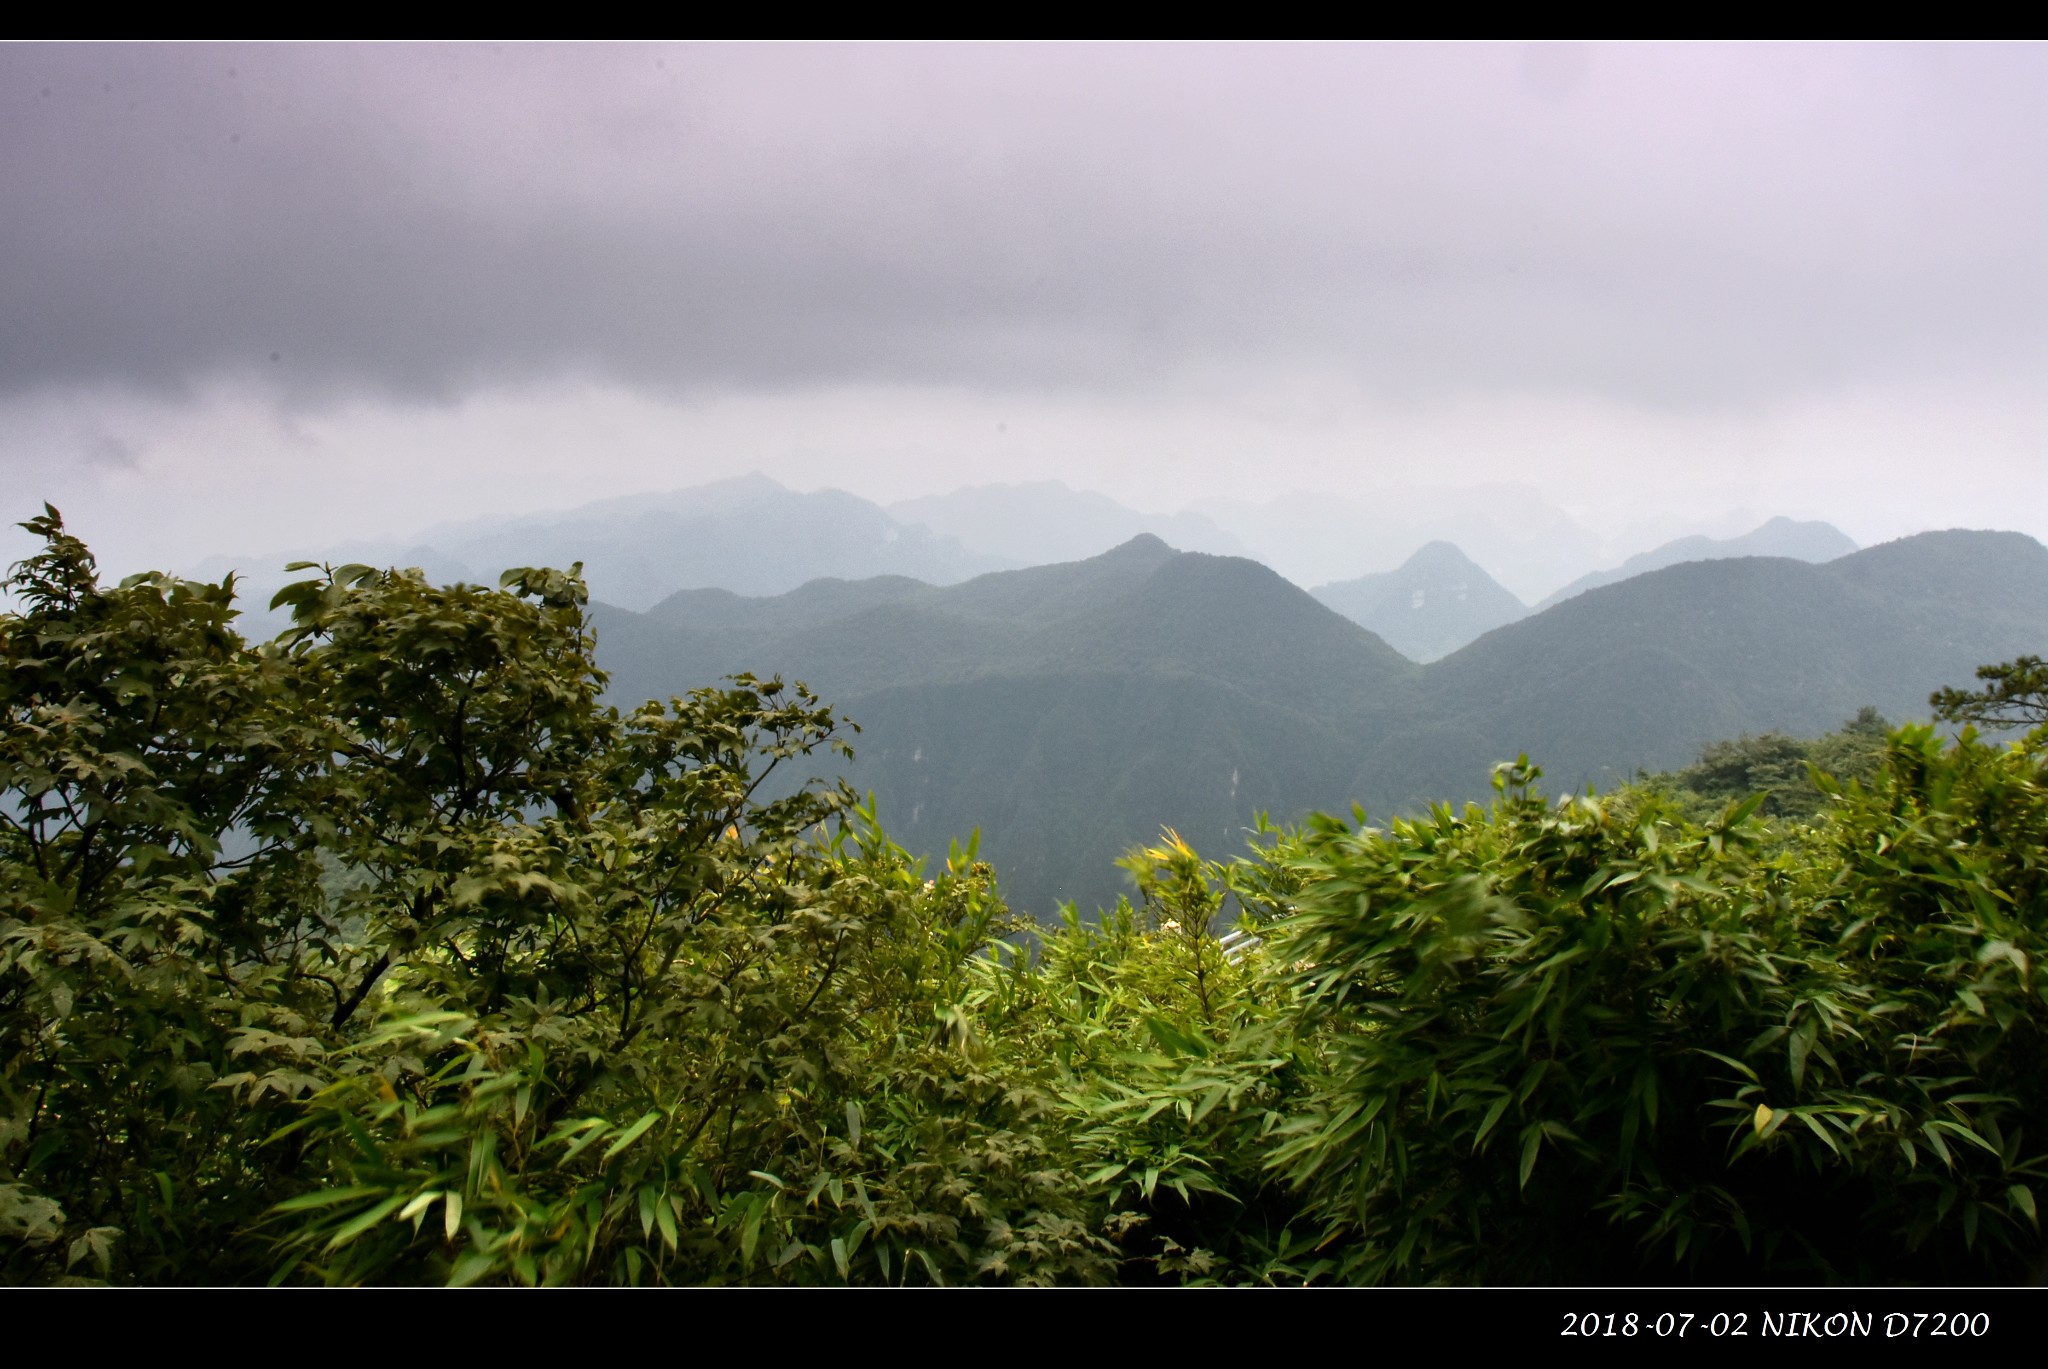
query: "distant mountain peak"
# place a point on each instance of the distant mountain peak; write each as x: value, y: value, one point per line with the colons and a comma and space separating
x: 1791, y: 538
x: 1046, y: 522
x: 1430, y: 605
x: 1146, y: 545
x: 753, y: 482
x: 1439, y: 556
x: 1317, y: 537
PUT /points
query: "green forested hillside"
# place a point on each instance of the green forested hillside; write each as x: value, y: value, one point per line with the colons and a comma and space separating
x: 1064, y: 710
x: 1641, y: 674
x: 383, y: 954
x: 1796, y: 776
x: 1142, y: 608
x: 812, y: 604
x: 1069, y: 711
x: 1053, y: 770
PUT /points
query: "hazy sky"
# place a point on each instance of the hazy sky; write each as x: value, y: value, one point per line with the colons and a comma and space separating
x: 262, y: 296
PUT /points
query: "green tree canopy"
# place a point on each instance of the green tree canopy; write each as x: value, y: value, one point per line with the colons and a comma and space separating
x: 2015, y: 695
x: 385, y: 952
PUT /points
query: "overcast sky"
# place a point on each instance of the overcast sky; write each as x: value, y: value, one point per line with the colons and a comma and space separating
x: 255, y: 297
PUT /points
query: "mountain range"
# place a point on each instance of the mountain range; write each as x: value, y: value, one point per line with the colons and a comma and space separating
x: 1641, y: 674
x: 1810, y: 541
x: 1069, y: 711
x: 1070, y: 708
x: 749, y: 535
x: 1052, y: 706
x: 1440, y: 599
x: 754, y: 537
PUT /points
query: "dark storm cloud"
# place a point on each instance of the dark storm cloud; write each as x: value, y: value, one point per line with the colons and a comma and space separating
x: 1715, y: 225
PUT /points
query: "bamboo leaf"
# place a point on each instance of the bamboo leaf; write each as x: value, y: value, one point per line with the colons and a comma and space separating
x: 632, y: 1133
x: 364, y: 1222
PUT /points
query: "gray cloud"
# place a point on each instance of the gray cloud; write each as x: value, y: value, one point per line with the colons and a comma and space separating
x: 105, y: 451
x: 1698, y: 227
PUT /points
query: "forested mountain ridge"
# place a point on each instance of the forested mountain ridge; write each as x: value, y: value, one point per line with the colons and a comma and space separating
x: 1641, y: 674
x: 1071, y: 710
x: 1440, y: 599
x: 811, y: 604
x: 751, y: 536
x: 1053, y: 706
x: 1801, y: 541
x: 1141, y: 608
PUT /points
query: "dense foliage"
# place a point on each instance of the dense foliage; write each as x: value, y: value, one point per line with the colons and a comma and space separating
x: 1790, y: 772
x: 385, y: 952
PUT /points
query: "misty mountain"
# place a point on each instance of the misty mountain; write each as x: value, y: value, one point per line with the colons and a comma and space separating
x: 1045, y: 521
x: 1527, y: 544
x: 748, y: 535
x: 1433, y: 603
x: 1641, y: 674
x: 1813, y: 541
x: 809, y: 605
x: 1070, y: 711
x: 1139, y: 609
x: 1065, y: 710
